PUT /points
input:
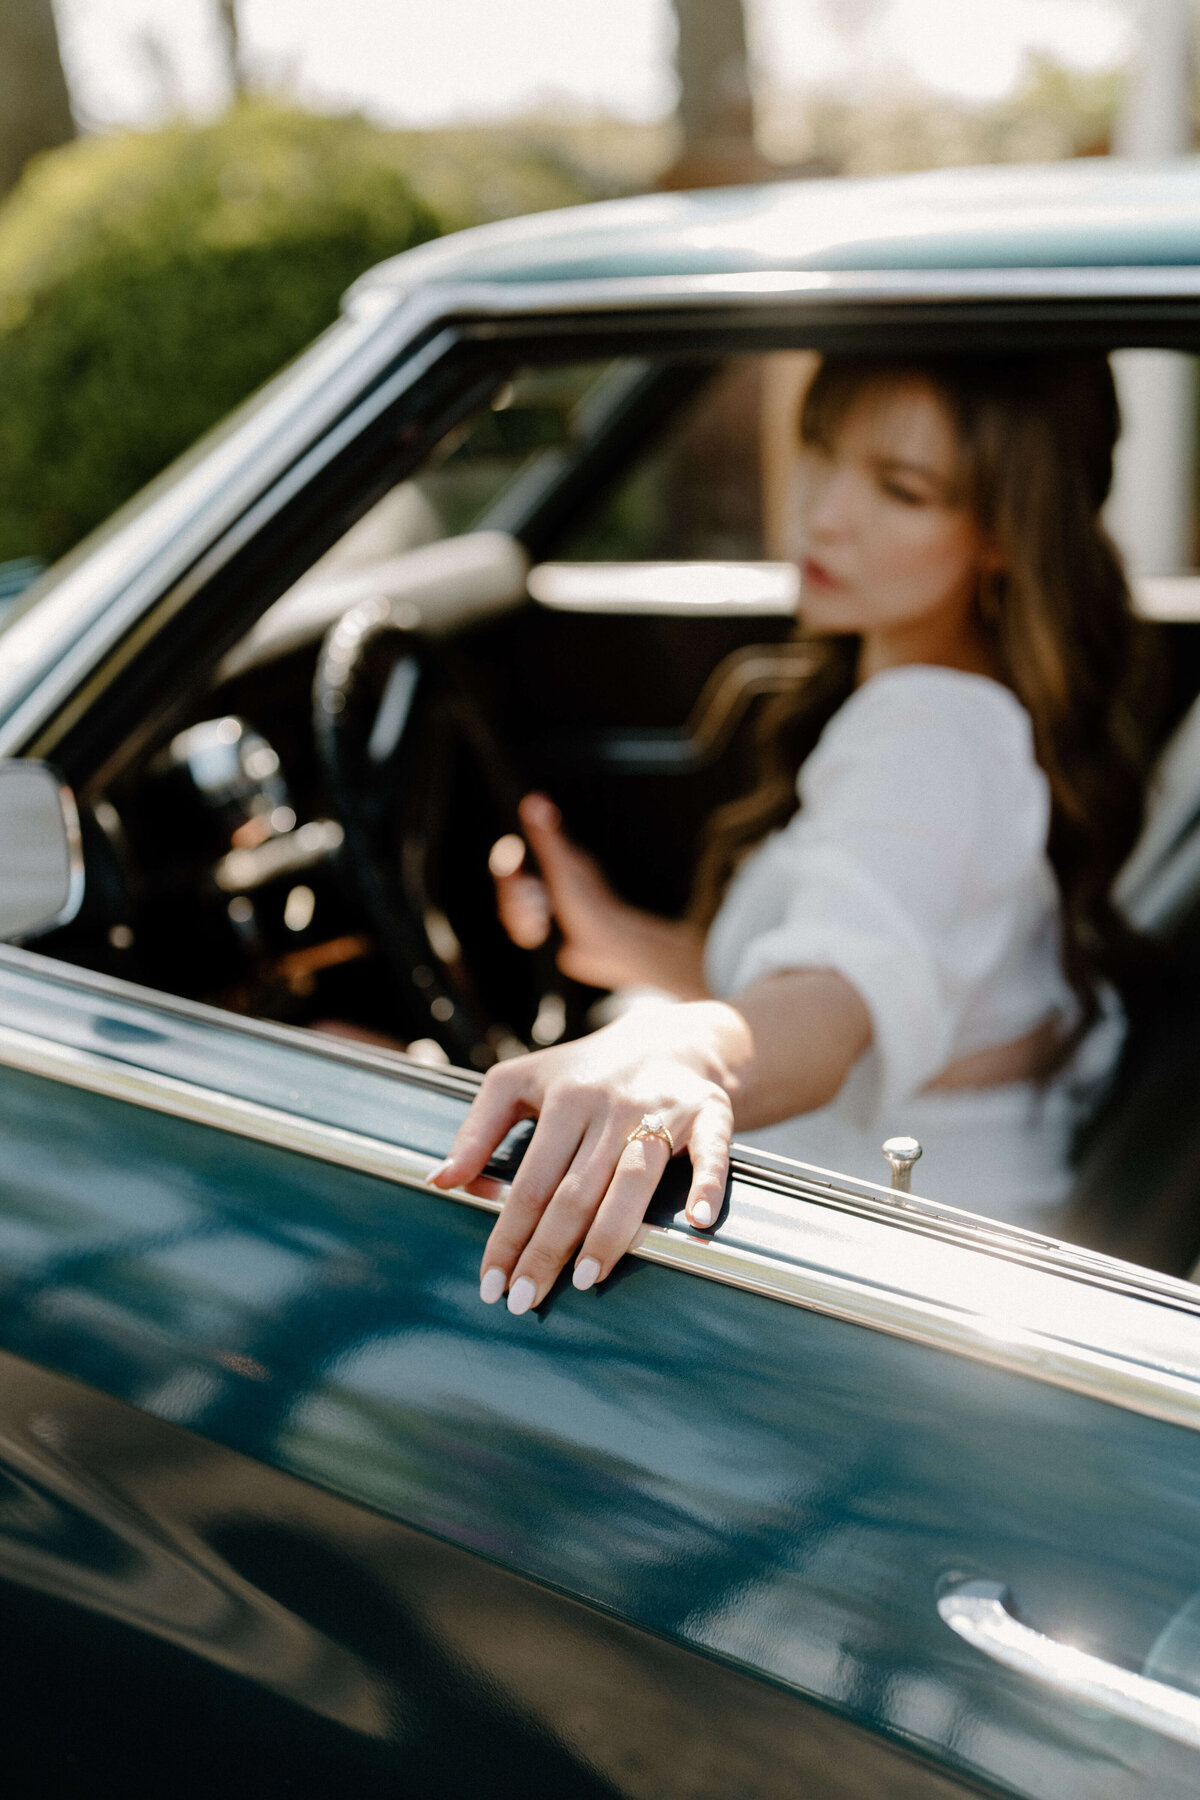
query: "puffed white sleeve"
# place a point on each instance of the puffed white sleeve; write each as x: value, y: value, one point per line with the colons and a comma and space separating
x: 921, y: 830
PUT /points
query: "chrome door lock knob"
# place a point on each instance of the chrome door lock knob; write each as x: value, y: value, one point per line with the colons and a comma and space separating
x: 902, y: 1153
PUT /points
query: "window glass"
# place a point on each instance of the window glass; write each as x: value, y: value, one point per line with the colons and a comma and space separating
x: 539, y: 414
x: 698, y: 491
x: 540, y: 411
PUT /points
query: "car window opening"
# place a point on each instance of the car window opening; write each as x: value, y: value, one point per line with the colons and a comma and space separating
x: 473, y: 638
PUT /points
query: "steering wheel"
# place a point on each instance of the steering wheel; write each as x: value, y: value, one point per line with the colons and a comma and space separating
x: 391, y: 727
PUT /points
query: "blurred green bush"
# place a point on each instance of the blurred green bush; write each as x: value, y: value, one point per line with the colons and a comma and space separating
x: 149, y: 281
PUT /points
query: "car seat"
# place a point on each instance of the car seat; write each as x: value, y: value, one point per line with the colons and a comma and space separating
x: 1137, y: 1187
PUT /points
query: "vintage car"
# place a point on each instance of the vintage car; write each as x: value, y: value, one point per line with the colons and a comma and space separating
x: 858, y: 1495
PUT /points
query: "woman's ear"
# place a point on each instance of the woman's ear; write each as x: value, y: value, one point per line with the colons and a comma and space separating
x: 990, y: 593
x: 992, y: 560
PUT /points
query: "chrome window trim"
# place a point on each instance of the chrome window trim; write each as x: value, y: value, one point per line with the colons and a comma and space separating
x: 953, y: 1224
x: 460, y: 1083
x: 1157, y: 1390
x: 849, y: 287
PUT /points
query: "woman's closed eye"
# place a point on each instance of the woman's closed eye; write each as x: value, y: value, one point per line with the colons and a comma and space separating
x: 911, y: 484
x: 896, y: 490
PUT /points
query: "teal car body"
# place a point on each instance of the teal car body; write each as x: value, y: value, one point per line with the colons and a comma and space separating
x: 1080, y: 215
x: 283, y: 1508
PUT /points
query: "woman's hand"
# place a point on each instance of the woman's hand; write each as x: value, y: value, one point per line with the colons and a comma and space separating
x: 605, y: 943
x: 582, y: 1189
x: 783, y: 1047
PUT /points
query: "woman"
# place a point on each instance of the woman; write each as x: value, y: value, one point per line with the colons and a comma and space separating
x: 927, y: 943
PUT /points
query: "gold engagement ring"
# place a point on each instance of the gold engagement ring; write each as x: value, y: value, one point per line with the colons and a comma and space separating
x: 651, y: 1126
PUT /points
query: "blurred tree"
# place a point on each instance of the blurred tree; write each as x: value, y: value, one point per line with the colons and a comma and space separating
x: 472, y: 173
x: 716, y: 102
x: 35, y: 110
x: 150, y: 281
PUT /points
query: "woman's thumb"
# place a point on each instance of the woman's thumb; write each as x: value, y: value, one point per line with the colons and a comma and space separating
x: 521, y: 899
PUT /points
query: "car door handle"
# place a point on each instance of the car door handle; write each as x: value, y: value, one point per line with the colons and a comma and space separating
x: 981, y: 1613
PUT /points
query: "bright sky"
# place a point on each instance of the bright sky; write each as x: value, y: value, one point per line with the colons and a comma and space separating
x: 428, y: 61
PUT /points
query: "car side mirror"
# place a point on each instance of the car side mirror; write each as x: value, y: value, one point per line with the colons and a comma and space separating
x: 41, y: 862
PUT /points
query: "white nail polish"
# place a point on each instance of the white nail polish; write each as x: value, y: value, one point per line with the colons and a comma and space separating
x: 492, y: 1286
x: 702, y: 1213
x: 585, y: 1274
x: 520, y: 1295
x: 436, y: 1174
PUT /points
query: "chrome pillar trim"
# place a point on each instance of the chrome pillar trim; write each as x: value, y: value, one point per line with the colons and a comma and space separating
x: 979, y: 1612
x: 1152, y: 1390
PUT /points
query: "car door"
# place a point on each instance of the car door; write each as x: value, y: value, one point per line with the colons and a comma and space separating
x: 302, y: 1511
x: 280, y: 1486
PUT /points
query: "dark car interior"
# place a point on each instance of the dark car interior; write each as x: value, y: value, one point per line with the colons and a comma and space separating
x: 308, y: 841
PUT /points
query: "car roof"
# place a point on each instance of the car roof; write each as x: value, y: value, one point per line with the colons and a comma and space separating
x: 1092, y: 212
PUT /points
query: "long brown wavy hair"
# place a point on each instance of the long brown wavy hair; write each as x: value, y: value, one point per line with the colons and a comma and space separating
x: 1036, y: 437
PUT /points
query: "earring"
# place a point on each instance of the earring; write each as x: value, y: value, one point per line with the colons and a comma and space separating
x: 990, y: 597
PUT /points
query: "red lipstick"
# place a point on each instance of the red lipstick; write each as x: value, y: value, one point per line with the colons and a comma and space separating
x: 816, y: 575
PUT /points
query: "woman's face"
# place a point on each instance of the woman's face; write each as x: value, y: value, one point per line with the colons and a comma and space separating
x: 885, y: 544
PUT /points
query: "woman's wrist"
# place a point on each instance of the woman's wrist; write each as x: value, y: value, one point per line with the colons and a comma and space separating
x: 747, y: 1046
x: 710, y: 1037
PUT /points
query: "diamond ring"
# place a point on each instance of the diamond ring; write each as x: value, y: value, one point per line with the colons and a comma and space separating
x: 651, y: 1126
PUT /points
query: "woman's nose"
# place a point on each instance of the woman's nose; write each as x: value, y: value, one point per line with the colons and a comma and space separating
x: 827, y: 508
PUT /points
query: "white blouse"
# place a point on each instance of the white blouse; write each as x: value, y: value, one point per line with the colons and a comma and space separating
x: 916, y: 868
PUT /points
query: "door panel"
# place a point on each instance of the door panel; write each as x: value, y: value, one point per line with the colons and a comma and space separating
x: 783, y: 1490
x: 181, y: 1620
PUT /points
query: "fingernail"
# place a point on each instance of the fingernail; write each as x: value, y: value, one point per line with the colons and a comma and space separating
x: 520, y: 1295
x: 492, y: 1286
x: 701, y: 1213
x: 586, y: 1271
x: 506, y: 856
x: 435, y: 1175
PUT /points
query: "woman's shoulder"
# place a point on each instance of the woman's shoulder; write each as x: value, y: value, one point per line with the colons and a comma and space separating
x: 925, y: 702
x: 926, y: 739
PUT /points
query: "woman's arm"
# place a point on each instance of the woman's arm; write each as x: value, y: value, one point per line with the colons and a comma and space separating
x: 802, y: 1032
x: 783, y: 1047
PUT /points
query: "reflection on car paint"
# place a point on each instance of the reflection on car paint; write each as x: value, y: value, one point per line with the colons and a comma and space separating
x: 703, y: 1488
